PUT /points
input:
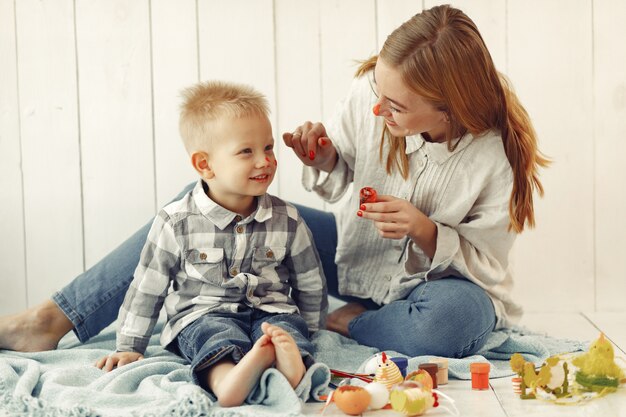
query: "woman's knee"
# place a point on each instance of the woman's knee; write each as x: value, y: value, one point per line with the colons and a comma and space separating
x: 445, y: 322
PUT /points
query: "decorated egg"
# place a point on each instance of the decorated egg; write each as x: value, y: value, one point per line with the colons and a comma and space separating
x: 388, y: 372
x: 352, y: 400
x: 411, y: 401
x: 379, y: 393
x: 371, y: 365
x: 422, y: 378
x: 367, y: 195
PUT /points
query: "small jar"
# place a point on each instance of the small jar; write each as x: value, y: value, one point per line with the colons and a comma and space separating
x: 442, y: 370
x: 432, y: 369
x: 401, y: 363
x: 480, y: 375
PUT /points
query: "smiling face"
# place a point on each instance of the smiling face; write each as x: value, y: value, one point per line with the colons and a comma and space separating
x: 405, y: 112
x: 240, y: 162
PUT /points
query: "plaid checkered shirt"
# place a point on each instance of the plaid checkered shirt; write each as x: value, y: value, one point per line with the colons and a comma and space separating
x: 201, y: 258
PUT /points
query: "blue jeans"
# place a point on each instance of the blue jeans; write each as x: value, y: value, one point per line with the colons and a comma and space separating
x: 216, y: 336
x: 447, y: 317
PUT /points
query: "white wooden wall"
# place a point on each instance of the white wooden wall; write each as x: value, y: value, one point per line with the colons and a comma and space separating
x: 89, y: 149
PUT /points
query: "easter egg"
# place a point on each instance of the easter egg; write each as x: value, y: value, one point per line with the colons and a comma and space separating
x: 367, y: 195
x: 422, y: 377
x: 352, y: 400
x: 379, y: 393
x: 371, y: 365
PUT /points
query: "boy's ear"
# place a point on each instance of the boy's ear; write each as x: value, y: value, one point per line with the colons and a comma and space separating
x: 200, y: 162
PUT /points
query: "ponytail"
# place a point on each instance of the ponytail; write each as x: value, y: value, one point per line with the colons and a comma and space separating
x: 520, y: 145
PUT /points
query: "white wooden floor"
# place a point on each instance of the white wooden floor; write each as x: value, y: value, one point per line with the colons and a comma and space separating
x: 500, y: 400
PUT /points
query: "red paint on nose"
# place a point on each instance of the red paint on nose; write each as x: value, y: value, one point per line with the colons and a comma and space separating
x: 376, y: 110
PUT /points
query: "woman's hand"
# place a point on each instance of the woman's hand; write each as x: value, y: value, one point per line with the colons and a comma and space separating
x: 312, y: 146
x: 396, y: 218
x: 118, y: 359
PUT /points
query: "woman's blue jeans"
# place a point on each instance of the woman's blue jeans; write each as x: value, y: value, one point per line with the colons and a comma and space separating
x: 448, y: 317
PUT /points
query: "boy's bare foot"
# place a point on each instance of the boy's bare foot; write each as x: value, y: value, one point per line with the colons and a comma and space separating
x: 36, y: 329
x: 231, y: 383
x: 288, y: 359
x: 338, y: 320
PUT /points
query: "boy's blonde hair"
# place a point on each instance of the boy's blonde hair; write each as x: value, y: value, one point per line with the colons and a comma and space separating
x: 206, y: 102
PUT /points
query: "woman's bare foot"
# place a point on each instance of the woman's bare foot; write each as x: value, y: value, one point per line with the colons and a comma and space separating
x: 36, y: 329
x: 232, y: 383
x: 338, y: 320
x: 288, y: 359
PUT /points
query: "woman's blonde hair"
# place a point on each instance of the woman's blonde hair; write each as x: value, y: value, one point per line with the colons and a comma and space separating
x: 443, y: 58
x: 206, y: 102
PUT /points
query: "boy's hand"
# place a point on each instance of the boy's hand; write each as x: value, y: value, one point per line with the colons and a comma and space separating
x: 118, y: 359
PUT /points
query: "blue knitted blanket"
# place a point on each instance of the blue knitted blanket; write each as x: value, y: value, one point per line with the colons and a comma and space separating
x: 64, y: 382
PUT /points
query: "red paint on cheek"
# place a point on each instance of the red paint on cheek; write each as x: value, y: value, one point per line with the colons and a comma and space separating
x: 376, y: 110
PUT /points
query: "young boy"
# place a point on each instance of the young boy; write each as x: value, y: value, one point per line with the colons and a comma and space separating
x: 246, y: 281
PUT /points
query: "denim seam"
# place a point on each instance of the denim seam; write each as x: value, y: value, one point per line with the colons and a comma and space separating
x: 72, y: 315
x: 471, y: 345
x: 421, y: 294
x: 211, y: 359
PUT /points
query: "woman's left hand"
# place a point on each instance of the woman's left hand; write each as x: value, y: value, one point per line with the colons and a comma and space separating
x: 396, y: 218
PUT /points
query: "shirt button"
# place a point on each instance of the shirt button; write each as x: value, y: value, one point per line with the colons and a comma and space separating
x: 203, y: 256
x: 239, y: 229
x: 233, y: 272
x: 269, y: 254
x: 238, y: 218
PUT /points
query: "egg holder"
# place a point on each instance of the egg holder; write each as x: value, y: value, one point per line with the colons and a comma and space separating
x: 571, y: 378
x: 412, y: 395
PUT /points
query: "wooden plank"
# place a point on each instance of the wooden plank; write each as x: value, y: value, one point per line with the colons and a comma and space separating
x: 390, y: 14
x: 347, y: 35
x: 237, y: 44
x: 551, y: 68
x: 610, y: 171
x: 113, y: 39
x: 50, y: 145
x: 174, y: 67
x: 13, y: 263
x: 561, y: 325
x: 298, y: 85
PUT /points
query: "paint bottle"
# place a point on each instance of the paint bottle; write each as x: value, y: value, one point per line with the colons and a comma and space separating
x: 480, y: 375
x: 442, y: 371
x: 401, y: 363
x: 432, y: 369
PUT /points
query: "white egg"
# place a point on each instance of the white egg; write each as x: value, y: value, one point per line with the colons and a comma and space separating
x: 379, y: 393
x: 371, y: 366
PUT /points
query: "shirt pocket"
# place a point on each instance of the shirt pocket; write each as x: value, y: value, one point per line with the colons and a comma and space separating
x: 205, y: 264
x: 267, y: 257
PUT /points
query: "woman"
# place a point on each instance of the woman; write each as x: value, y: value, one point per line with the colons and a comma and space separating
x: 454, y: 159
